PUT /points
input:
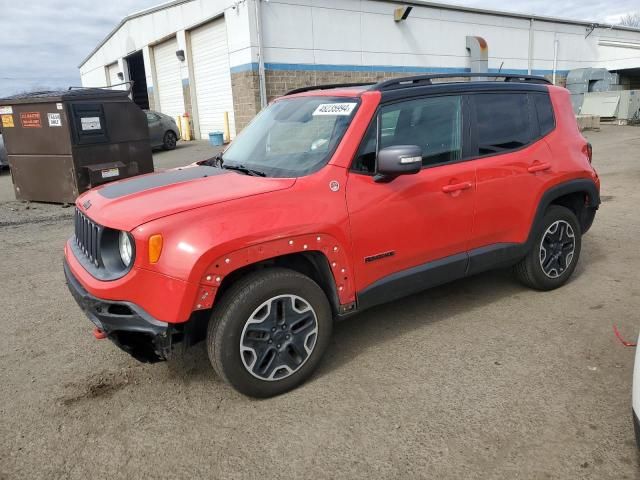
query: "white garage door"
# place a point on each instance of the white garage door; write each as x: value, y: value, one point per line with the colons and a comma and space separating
x: 212, y: 77
x: 169, y: 82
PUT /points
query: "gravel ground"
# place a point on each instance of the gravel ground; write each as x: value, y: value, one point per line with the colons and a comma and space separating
x: 481, y: 378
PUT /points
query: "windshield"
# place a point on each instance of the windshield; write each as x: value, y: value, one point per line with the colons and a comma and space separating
x: 292, y: 137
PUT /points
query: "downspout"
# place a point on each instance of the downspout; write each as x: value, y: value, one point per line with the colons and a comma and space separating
x: 555, y: 60
x: 479, y: 55
x: 530, y: 46
x: 261, y: 75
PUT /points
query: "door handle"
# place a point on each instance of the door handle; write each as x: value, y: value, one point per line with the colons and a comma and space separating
x: 456, y: 187
x: 539, y: 167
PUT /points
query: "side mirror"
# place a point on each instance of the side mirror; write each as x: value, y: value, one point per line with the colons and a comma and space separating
x: 398, y: 160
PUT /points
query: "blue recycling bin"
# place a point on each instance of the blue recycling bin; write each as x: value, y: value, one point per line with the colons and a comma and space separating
x: 216, y: 139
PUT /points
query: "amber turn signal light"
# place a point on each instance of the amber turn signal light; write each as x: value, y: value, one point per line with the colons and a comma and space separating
x: 155, y: 247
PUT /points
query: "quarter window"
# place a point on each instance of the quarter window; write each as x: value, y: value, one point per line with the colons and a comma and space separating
x: 544, y: 112
x: 503, y: 122
x: 365, y: 161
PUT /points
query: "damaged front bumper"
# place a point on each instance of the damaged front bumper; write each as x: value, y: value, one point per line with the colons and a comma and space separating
x: 126, y: 324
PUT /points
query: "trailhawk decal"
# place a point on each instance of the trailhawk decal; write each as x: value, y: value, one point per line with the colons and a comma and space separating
x: 379, y: 256
x: 335, y: 109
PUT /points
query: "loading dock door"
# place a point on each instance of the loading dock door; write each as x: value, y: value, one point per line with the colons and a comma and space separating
x: 168, y: 78
x: 212, y: 77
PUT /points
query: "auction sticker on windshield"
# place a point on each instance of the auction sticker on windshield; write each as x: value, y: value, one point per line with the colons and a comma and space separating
x: 334, y: 109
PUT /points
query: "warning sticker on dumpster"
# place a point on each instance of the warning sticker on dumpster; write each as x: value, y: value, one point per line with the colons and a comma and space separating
x: 334, y: 109
x: 30, y: 120
x: 110, y: 172
x: 7, y: 121
x: 6, y: 110
x: 90, y: 123
x: 54, y: 119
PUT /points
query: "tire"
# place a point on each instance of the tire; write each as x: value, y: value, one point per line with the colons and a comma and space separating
x: 251, y: 341
x: 538, y: 269
x: 169, y: 141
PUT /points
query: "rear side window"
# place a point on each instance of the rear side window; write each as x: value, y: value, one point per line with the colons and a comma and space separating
x: 503, y: 122
x: 544, y: 112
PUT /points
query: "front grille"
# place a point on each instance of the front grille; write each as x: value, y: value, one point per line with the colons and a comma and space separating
x: 88, y: 234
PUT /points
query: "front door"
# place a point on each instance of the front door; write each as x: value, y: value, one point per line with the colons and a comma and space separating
x: 402, y: 228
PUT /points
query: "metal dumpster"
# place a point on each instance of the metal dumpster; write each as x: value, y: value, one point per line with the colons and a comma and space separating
x: 62, y: 143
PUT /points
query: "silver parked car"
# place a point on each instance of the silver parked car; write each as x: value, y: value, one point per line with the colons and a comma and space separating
x: 163, y: 131
x: 4, y: 160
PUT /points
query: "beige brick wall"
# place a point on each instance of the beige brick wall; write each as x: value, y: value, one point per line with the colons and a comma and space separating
x: 280, y: 82
x: 246, y: 86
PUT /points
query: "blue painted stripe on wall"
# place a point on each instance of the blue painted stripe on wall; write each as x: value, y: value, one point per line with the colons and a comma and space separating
x: 244, y: 67
x: 380, y: 68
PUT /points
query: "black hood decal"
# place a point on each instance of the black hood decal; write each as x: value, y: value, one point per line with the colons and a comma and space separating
x: 147, y: 182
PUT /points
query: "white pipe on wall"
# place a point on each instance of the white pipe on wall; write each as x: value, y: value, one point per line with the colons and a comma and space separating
x: 555, y: 60
x: 261, y: 75
x: 530, y: 46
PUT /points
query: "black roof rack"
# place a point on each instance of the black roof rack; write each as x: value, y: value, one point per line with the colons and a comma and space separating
x: 329, y: 86
x: 420, y: 80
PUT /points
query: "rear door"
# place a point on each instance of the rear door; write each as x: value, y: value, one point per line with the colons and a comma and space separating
x: 414, y: 220
x: 513, y: 165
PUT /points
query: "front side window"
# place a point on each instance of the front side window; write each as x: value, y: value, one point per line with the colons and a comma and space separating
x: 293, y: 136
x: 502, y: 122
x: 434, y: 124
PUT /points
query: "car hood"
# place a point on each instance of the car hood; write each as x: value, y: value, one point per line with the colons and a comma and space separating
x: 126, y: 204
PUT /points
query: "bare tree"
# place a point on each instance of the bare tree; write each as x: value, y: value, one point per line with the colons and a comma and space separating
x: 631, y: 20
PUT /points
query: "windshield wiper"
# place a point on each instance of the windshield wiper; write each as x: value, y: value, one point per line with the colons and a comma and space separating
x: 245, y: 170
x: 218, y: 160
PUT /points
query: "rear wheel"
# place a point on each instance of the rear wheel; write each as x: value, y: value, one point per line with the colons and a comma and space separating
x: 269, y: 332
x: 555, y: 252
x: 169, y: 141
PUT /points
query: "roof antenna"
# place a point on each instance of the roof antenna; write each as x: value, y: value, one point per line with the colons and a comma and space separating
x: 499, y: 70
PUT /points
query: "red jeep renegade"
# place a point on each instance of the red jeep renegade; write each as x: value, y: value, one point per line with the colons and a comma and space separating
x: 334, y: 199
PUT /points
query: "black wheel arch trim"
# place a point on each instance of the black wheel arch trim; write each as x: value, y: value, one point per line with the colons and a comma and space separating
x: 581, y: 185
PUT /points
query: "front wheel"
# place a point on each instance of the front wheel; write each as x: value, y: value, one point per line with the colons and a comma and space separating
x: 269, y: 332
x: 555, y: 252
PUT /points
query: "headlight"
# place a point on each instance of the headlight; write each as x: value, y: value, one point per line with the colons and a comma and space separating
x: 126, y: 249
